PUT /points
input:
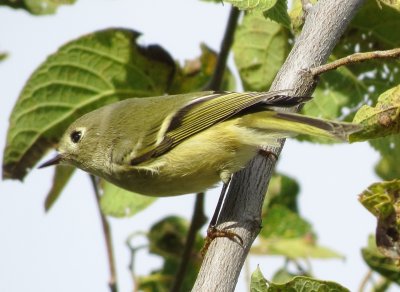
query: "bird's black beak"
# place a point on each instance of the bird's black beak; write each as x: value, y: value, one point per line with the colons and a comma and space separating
x: 53, y: 161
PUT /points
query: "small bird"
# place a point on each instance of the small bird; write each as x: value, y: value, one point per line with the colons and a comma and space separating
x: 187, y: 143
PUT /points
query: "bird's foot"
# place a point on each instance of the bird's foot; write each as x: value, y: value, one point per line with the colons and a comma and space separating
x: 267, y: 153
x: 213, y: 232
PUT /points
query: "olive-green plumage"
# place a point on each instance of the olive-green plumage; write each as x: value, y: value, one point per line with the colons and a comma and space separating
x: 178, y: 144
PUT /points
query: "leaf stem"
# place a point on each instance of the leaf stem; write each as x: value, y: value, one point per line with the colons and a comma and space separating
x: 355, y: 58
x: 112, y: 283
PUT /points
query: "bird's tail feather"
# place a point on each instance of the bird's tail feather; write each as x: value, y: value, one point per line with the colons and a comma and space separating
x: 284, y: 124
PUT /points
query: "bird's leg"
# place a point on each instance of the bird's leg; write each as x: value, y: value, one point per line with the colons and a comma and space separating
x: 212, y: 231
x: 214, y: 219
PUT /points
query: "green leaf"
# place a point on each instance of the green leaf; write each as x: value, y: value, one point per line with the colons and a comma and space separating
x: 167, y: 239
x: 389, y: 148
x: 282, y: 276
x: 87, y: 73
x: 385, y: 266
x: 258, y: 282
x: 254, y: 5
x: 306, y: 284
x: 282, y: 190
x: 155, y: 282
x: 372, y: 29
x: 300, y: 283
x: 293, y: 248
x: 297, y: 14
x: 284, y: 231
x: 341, y: 92
x: 196, y: 74
x: 260, y: 48
x: 337, y: 93
x: 13, y: 3
x: 382, y: 286
x: 121, y: 203
x: 383, y: 201
x: 62, y: 175
x: 45, y: 6
x: 381, y: 120
x: 38, y: 7
x: 161, y: 280
x: 280, y: 217
x: 331, y: 96
x: 393, y: 3
x: 279, y: 13
x: 281, y: 222
x: 3, y: 56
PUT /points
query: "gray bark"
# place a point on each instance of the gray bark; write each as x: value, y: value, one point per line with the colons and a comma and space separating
x: 324, y: 25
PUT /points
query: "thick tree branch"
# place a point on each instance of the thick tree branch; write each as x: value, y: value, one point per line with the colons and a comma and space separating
x: 306, y: 5
x: 355, y: 58
x: 325, y: 23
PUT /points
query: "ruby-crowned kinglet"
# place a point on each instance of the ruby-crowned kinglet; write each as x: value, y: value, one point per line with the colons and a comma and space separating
x: 186, y: 143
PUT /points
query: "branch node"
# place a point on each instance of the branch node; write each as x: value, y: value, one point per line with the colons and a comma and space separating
x: 306, y: 5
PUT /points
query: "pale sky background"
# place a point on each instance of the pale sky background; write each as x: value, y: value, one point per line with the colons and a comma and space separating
x: 64, y: 249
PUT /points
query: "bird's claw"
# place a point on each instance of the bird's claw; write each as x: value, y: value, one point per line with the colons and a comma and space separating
x: 267, y: 153
x: 213, y: 232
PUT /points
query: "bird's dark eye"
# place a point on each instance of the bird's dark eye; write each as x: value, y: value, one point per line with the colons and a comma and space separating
x: 76, y: 136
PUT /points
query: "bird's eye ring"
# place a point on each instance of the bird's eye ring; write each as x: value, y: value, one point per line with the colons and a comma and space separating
x: 76, y: 136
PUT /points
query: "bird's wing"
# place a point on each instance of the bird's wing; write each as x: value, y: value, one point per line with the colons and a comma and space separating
x: 201, y: 113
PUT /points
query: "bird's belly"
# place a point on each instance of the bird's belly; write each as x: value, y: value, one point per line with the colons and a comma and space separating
x: 160, y: 185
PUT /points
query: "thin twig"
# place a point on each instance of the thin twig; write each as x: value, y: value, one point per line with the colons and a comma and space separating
x: 299, y: 267
x: 112, y: 283
x: 364, y: 281
x: 131, y: 266
x: 216, y: 79
x: 355, y: 58
x: 198, y: 219
x: 133, y: 250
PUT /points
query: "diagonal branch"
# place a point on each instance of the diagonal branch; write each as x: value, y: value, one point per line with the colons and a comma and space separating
x: 325, y: 23
x: 355, y: 58
x: 218, y: 75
